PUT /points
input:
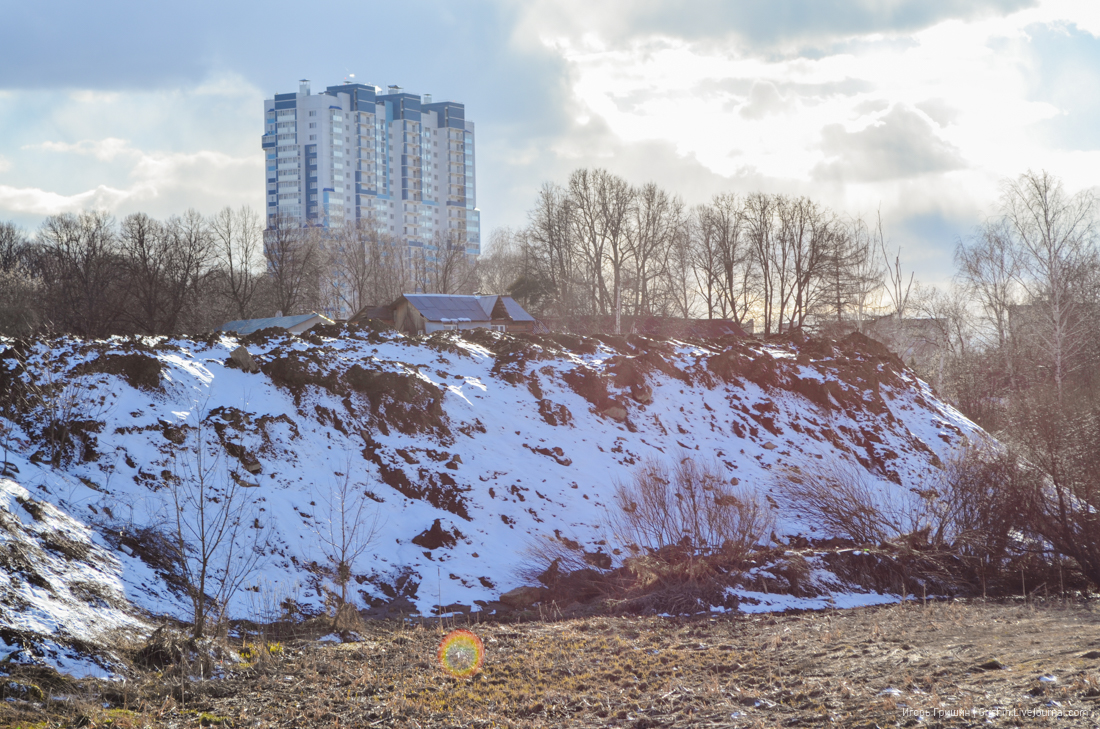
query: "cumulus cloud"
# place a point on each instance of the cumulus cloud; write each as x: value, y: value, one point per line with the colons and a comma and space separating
x: 900, y: 144
x: 764, y: 99
x: 781, y: 23
x: 939, y: 111
x: 102, y: 149
x: 44, y: 202
x: 160, y: 183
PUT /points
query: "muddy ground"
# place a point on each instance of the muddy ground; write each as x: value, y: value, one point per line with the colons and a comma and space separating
x: 935, y: 665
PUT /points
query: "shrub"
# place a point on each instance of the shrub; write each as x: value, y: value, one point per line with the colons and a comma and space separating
x: 688, y: 505
x: 962, y: 529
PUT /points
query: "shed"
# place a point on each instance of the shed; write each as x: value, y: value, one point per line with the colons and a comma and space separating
x: 435, y: 312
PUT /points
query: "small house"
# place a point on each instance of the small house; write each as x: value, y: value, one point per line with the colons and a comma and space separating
x: 413, y: 313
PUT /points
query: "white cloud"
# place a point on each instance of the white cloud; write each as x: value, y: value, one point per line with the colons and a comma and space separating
x: 918, y: 120
x: 159, y: 152
x: 5, y: 164
x: 43, y: 202
x: 154, y: 176
x: 102, y: 149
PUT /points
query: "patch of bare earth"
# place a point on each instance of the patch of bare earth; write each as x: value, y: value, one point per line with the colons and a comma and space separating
x: 936, y: 665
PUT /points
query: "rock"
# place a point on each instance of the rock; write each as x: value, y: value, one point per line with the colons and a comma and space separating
x: 769, y: 446
x: 1091, y: 655
x: 616, y: 413
x: 992, y: 665
x: 244, y: 360
x: 642, y: 394
x: 434, y: 538
x: 522, y: 597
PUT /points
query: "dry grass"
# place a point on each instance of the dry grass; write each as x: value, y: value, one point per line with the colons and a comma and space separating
x: 812, y: 669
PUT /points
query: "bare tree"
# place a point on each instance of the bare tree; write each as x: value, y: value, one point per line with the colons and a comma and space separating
x: 657, y: 220
x: 602, y: 204
x: 190, y: 251
x: 1054, y: 234
x: 897, y: 289
x: 239, y: 248
x: 681, y: 270
x: 851, y: 279
x: 348, y: 525
x: 214, y: 528
x: 988, y: 265
x: 552, y: 262
x: 450, y: 269
x: 815, y: 237
x: 370, y: 266
x: 19, y: 284
x: 724, y: 222
x: 504, y: 262
x: 294, y: 258
x: 13, y: 246
x: 82, y: 272
x: 760, y: 221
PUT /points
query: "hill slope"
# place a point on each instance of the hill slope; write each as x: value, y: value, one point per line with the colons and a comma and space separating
x: 470, y: 445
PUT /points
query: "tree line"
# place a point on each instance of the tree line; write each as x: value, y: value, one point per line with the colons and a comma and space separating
x: 88, y: 274
x: 598, y: 246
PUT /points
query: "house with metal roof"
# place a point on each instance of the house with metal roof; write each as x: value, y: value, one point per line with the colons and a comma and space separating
x: 429, y: 313
x: 293, y: 324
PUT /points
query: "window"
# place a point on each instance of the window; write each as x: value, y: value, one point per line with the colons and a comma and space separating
x: 313, y: 113
x: 497, y: 327
x: 313, y: 125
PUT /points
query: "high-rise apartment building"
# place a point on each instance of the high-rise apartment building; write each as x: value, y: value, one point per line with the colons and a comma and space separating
x: 354, y: 155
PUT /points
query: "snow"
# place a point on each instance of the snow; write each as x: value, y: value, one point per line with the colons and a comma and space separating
x: 512, y: 494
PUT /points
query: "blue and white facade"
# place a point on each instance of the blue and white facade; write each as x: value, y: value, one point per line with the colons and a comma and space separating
x: 394, y: 160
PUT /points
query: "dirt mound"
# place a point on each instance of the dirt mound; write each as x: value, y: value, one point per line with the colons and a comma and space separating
x: 141, y: 371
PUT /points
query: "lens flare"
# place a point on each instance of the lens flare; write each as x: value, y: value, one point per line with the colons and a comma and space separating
x: 461, y: 653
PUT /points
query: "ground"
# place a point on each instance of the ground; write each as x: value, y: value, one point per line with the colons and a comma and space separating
x: 998, y: 664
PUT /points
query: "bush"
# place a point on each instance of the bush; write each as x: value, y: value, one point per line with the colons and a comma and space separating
x: 965, y: 529
x: 691, y: 506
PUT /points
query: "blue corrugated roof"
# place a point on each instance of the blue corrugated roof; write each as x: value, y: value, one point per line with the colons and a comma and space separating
x: 437, y: 307
x: 247, y: 326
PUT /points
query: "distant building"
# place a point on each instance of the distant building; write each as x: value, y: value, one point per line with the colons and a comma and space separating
x: 919, y: 342
x: 353, y: 154
x: 414, y: 313
x: 293, y: 324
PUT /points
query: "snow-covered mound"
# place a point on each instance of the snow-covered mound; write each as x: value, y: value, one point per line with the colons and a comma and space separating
x: 62, y: 599
x: 470, y: 444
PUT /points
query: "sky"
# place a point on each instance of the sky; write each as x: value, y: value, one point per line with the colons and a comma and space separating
x: 918, y: 110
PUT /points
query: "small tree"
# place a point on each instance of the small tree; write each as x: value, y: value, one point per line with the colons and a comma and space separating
x: 347, y: 527
x: 216, y: 537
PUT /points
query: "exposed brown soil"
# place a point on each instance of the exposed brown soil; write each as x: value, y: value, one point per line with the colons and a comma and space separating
x: 856, y: 668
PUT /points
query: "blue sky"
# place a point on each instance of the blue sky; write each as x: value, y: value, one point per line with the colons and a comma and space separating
x: 914, y: 108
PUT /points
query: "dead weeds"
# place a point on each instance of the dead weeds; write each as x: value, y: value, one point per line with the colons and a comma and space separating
x: 975, y: 664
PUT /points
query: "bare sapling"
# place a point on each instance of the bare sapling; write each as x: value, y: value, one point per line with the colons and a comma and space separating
x: 216, y: 536
x: 347, y: 525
